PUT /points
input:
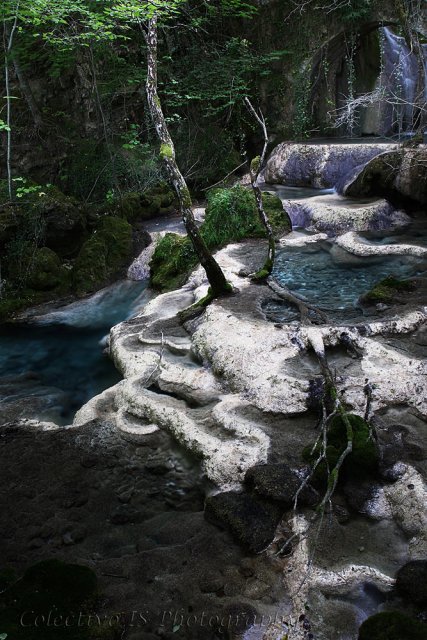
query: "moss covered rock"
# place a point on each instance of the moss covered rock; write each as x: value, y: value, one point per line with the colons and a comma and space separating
x: 231, y: 215
x: 46, y: 270
x: 104, y: 255
x: 411, y: 582
x: 251, y: 520
x: 157, y: 201
x: 63, y: 218
x: 387, y: 290
x: 398, y: 175
x: 392, y: 625
x: 172, y: 260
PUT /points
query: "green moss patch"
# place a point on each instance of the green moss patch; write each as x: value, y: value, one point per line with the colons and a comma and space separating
x: 104, y: 256
x: 172, y: 260
x: 392, y: 625
x: 387, y: 290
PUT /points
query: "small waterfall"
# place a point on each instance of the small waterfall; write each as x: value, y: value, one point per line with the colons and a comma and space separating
x: 398, y: 83
x: 140, y: 267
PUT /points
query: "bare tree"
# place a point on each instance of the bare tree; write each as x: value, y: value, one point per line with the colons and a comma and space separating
x: 256, y: 167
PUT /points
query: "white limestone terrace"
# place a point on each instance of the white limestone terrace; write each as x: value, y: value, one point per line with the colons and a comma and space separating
x: 215, y: 386
x: 354, y: 244
x: 317, y: 164
x: 333, y: 214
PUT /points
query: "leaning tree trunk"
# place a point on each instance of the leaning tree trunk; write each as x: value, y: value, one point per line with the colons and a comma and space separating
x: 256, y: 166
x: 218, y: 283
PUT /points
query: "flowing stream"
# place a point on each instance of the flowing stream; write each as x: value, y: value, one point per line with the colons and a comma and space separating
x: 59, y: 358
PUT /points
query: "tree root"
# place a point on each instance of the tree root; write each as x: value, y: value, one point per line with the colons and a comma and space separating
x: 304, y: 307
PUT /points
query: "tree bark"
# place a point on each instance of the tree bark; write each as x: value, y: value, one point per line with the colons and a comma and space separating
x: 8, y: 43
x: 218, y: 283
x: 27, y: 92
x: 255, y: 169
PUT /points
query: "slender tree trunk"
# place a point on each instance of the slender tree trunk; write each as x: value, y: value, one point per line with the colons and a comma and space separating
x: 27, y: 92
x: 8, y: 43
x: 255, y: 169
x: 218, y: 283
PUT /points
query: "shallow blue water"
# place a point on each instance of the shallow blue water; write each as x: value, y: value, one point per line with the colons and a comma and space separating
x: 336, y: 288
x: 65, y: 349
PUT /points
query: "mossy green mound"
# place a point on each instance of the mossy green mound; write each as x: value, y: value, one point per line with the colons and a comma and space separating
x: 104, y: 255
x: 45, y: 270
x: 37, y: 606
x: 231, y: 215
x: 172, y: 260
x: 392, y: 625
x: 133, y: 206
x: 387, y: 290
x: 361, y: 463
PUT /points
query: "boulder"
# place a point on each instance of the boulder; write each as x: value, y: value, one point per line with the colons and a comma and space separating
x: 318, y: 165
x: 392, y: 625
x: 46, y: 270
x: 64, y: 220
x: 251, y: 520
x: 280, y: 482
x: 104, y: 255
x: 400, y: 175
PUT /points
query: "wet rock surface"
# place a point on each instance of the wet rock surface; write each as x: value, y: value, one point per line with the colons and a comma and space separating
x: 85, y: 495
x: 251, y: 520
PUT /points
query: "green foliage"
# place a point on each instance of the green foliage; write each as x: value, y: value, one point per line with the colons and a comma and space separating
x: 96, y: 169
x: 104, y: 256
x: 362, y: 461
x: 218, y: 80
x: 4, y: 126
x: 392, y: 625
x: 49, y: 586
x: 302, y: 120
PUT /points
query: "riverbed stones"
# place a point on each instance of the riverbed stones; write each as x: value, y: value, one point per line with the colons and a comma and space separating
x: 281, y: 482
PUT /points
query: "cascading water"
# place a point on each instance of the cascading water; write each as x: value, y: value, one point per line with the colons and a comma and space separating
x: 398, y: 84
